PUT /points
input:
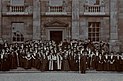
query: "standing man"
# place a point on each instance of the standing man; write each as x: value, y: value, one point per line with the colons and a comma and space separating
x: 83, y: 62
x: 59, y: 61
x: 65, y: 45
x: 51, y: 59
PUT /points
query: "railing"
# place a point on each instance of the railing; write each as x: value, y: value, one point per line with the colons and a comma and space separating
x: 93, y: 9
x: 17, y: 9
x: 56, y: 8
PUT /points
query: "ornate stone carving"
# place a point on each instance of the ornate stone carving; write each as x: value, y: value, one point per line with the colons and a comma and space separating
x: 56, y: 23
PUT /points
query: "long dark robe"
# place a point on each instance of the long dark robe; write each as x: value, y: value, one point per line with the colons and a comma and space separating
x: 28, y: 63
x: 34, y: 61
x: 14, y: 63
x: 83, y: 63
x: 39, y: 63
x: 100, y: 64
x: 22, y: 60
x: 65, y: 64
x: 71, y: 62
x: 112, y: 64
x: 106, y: 63
x: 118, y: 63
x: 45, y: 63
x: 88, y: 61
x: 93, y: 63
x: 5, y: 63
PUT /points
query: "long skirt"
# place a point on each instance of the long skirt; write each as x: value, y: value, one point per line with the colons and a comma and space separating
x: 65, y: 65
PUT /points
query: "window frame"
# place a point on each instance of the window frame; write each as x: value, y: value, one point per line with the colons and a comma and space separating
x: 21, y: 35
x: 94, y: 31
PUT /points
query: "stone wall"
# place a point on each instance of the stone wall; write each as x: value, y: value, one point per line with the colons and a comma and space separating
x: 78, y: 23
x: 114, y: 26
x: 105, y: 29
x: 7, y: 27
x: 60, y: 21
x: 36, y: 20
x: 120, y: 23
x: 75, y: 19
x: 0, y: 17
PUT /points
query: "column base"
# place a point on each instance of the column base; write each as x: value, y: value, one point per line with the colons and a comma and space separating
x: 114, y: 46
x: 1, y: 41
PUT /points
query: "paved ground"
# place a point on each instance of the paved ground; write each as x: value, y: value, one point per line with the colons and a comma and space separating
x: 60, y: 76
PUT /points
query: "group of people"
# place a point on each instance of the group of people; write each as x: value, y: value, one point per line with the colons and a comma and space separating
x: 75, y: 55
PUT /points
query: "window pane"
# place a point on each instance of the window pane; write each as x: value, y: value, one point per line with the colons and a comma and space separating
x: 94, y: 2
x: 97, y: 29
x: 93, y: 31
x: 89, y: 30
x: 18, y: 31
x: 55, y: 2
x: 18, y: 2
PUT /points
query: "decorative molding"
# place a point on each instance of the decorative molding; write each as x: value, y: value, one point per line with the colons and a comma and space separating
x: 56, y: 23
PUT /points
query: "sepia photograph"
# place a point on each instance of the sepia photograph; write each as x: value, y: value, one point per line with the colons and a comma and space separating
x: 61, y: 40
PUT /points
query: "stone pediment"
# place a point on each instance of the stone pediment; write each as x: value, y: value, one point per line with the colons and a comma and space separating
x: 56, y: 23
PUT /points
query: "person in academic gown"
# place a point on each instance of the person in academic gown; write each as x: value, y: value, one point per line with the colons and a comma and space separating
x: 118, y: 62
x: 88, y: 61
x: 22, y: 59
x: 71, y: 61
x: 13, y: 59
x: 106, y: 62
x: 93, y: 61
x: 112, y: 62
x: 6, y: 62
x: 51, y: 61
x: 121, y: 63
x: 59, y: 61
x: 2, y: 59
x: 100, y: 64
x: 28, y: 61
x: 39, y: 61
x: 45, y: 63
x: 65, y: 63
x: 34, y: 59
x: 83, y: 61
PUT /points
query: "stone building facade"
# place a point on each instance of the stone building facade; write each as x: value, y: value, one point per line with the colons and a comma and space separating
x: 97, y: 20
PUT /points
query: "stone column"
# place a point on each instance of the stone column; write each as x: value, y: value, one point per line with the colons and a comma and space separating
x: 0, y: 16
x: 36, y: 20
x: 75, y: 19
x: 102, y: 30
x: 84, y: 29
x: 0, y: 21
x: 114, y: 26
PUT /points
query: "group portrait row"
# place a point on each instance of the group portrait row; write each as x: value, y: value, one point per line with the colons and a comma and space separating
x: 73, y: 55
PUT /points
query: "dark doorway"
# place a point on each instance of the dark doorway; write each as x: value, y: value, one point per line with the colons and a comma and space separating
x: 56, y: 36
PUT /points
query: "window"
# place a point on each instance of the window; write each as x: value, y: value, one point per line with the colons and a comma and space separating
x: 55, y: 2
x: 17, y: 32
x: 93, y: 2
x: 56, y: 5
x: 93, y: 31
x: 16, y: 6
x: 17, y: 2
